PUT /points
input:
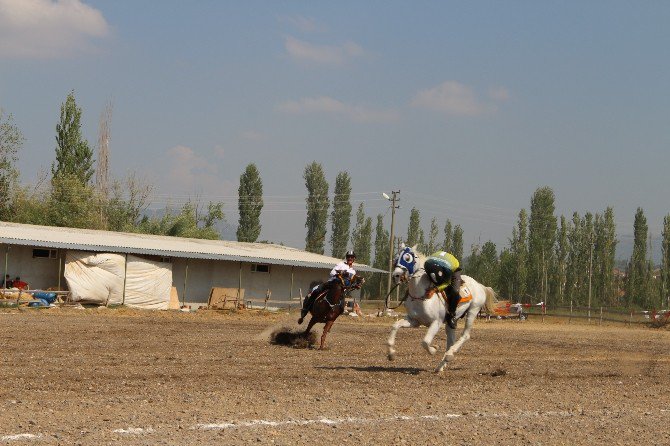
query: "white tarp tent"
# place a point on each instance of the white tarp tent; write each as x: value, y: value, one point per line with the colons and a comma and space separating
x: 99, y: 279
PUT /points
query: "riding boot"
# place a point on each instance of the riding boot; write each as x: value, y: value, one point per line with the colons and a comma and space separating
x: 453, y: 296
x: 452, y: 303
x: 309, y: 301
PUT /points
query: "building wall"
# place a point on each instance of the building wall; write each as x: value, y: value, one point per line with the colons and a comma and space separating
x: 204, y: 274
x: 42, y: 273
x: 38, y: 272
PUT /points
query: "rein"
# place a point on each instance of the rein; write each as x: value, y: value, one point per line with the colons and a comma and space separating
x: 345, y: 292
x: 386, y: 301
x: 430, y: 292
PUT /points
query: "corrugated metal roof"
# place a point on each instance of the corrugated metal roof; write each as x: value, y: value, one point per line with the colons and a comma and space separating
x: 132, y: 243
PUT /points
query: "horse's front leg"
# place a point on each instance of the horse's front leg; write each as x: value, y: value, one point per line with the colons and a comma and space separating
x: 402, y: 323
x: 430, y: 334
x: 326, y: 329
x: 454, y: 347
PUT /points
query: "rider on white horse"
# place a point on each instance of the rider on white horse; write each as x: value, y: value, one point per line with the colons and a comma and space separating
x: 445, y: 272
x: 345, y: 268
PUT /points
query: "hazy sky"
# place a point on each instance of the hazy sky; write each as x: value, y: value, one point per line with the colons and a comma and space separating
x: 465, y: 107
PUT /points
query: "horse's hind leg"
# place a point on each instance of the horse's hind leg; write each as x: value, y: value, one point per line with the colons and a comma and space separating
x: 326, y: 329
x: 312, y: 321
x: 430, y: 334
x: 402, y: 323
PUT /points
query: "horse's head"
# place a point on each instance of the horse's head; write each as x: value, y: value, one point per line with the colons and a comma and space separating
x: 350, y: 282
x: 405, y: 265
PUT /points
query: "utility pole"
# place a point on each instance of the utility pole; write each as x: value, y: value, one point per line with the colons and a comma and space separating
x: 394, y: 199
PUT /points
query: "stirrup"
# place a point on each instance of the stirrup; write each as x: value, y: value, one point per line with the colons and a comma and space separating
x: 452, y: 322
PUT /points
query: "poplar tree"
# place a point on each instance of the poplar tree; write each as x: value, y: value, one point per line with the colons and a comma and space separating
x: 608, y: 253
x: 457, y: 243
x: 421, y: 243
x: 432, y: 237
x: 574, y: 261
x: 604, y: 257
x: 637, y: 277
x: 541, y: 238
x: 341, y: 215
x: 249, y: 204
x: 11, y: 141
x: 317, y: 207
x: 489, y: 270
x: 378, y: 282
x: 73, y: 155
x: 561, y: 255
x: 587, y: 255
x: 506, y: 275
x: 665, y: 263
x: 361, y: 236
x: 519, y: 250
x: 448, y: 236
x: 414, y: 227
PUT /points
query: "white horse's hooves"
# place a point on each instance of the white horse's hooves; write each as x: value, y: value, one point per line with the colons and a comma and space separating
x: 391, y: 356
x: 429, y: 348
x: 440, y: 368
x: 448, y: 358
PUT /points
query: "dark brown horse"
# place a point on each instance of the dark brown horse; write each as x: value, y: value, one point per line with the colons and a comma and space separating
x: 330, y: 304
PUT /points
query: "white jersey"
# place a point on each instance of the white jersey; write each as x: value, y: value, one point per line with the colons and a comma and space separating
x: 341, y: 267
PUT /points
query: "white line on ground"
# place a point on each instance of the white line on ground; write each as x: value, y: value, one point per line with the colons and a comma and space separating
x: 133, y: 430
x: 338, y: 421
x: 327, y: 421
x: 19, y: 437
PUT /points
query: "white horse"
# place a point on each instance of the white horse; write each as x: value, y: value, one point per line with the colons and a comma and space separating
x: 426, y: 307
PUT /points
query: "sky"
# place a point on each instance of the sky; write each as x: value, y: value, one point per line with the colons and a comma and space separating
x: 466, y: 108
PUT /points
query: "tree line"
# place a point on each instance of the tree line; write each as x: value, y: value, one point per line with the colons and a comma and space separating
x: 557, y: 260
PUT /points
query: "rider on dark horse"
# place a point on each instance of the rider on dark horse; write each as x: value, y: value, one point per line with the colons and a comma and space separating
x: 344, y: 268
x: 445, y: 272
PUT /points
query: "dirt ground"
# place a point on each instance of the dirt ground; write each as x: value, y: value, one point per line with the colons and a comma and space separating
x: 129, y: 377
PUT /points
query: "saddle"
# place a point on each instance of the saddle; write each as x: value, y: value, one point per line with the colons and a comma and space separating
x: 464, y: 293
x: 323, y: 295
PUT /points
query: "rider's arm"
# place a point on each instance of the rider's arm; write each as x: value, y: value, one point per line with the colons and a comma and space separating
x: 338, y: 269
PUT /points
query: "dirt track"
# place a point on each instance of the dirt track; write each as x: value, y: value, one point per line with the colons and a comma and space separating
x: 125, y: 377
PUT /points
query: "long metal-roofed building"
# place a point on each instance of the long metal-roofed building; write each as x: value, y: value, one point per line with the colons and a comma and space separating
x: 40, y: 256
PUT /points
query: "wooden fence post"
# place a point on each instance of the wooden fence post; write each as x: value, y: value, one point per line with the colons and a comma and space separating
x: 601, y: 316
x: 268, y: 293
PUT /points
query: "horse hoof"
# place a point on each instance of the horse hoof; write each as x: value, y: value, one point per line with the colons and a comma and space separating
x: 300, y: 321
x: 391, y: 356
x: 429, y: 348
x: 440, y: 368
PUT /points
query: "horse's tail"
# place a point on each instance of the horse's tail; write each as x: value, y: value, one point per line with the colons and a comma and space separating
x: 491, y: 300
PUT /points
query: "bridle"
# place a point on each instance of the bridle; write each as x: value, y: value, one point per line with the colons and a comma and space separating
x: 407, y: 264
x: 430, y: 291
